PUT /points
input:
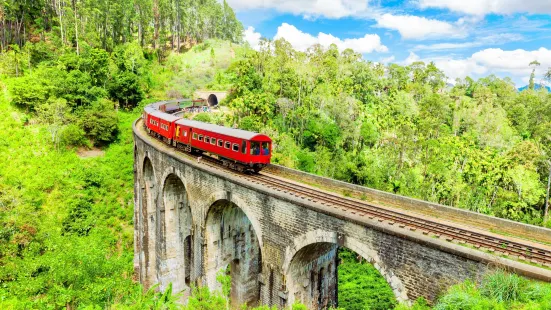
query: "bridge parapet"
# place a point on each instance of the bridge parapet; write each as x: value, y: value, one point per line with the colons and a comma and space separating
x: 386, y: 199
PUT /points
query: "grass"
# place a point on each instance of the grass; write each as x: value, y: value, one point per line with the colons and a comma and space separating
x: 361, y: 286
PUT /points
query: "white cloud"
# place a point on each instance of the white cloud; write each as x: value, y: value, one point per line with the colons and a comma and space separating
x: 495, y: 39
x: 387, y: 60
x: 415, y: 27
x: 460, y: 68
x: 307, y: 8
x: 411, y: 58
x: 453, y: 68
x: 252, y: 37
x: 514, y: 64
x: 483, y: 7
x: 302, y: 41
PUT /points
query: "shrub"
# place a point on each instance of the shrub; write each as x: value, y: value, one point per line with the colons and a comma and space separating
x: 79, y: 221
x: 203, y: 117
x: 298, y: 306
x: 27, y: 92
x: 100, y: 122
x: 73, y: 135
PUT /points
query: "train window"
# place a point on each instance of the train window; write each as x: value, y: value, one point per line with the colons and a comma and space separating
x: 228, y: 145
x: 200, y: 137
x: 207, y: 140
x: 265, y: 148
x: 244, y: 147
x: 213, y: 141
x: 194, y: 136
x: 255, y: 148
x: 220, y: 142
x: 236, y: 147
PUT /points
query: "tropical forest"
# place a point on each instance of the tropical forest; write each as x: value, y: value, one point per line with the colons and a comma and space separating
x: 76, y: 74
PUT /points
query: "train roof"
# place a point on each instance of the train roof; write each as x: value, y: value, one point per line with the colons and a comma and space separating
x: 149, y: 109
x: 232, y: 132
x: 165, y: 116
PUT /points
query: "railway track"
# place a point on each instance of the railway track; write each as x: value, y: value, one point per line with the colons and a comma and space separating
x: 450, y: 233
x: 527, y: 252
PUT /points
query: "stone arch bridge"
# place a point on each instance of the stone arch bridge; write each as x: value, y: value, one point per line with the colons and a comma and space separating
x: 193, y: 221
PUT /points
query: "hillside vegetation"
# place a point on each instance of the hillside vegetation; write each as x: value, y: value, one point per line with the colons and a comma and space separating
x: 479, y: 145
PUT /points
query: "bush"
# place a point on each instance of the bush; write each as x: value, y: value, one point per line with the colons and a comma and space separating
x: 100, y: 122
x: 203, y: 117
x: 298, y: 306
x: 27, y: 92
x: 79, y: 221
x: 73, y: 135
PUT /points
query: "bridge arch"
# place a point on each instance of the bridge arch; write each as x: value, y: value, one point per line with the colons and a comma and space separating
x: 147, y: 218
x: 175, y: 227
x: 317, y: 250
x: 224, y: 195
x: 232, y: 241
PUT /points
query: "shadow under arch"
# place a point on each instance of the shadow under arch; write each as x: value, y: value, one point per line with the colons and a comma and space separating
x: 175, y: 247
x: 312, y: 256
x: 231, y: 240
x: 148, y: 221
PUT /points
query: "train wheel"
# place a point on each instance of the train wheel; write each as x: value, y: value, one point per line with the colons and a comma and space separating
x: 257, y: 169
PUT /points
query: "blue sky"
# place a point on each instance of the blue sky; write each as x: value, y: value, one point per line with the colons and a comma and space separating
x: 463, y: 37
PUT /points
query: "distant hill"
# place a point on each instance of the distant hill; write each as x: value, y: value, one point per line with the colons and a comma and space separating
x: 536, y: 87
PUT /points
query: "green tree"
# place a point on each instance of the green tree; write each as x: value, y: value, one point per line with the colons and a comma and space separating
x: 125, y: 89
x: 100, y: 122
x: 531, y: 83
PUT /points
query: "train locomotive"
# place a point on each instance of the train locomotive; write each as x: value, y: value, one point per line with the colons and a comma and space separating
x: 237, y: 149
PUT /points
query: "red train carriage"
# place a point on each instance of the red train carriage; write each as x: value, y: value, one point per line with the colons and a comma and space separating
x: 161, y: 123
x: 236, y: 148
x: 146, y: 118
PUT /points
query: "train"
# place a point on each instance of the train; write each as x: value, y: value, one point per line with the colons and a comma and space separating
x: 240, y: 150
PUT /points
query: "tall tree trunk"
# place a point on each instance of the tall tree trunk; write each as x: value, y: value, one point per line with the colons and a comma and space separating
x: 61, y: 21
x: 546, y: 204
x: 140, y: 30
x: 76, y: 24
x: 155, y: 23
x: 178, y: 24
x: 60, y: 10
